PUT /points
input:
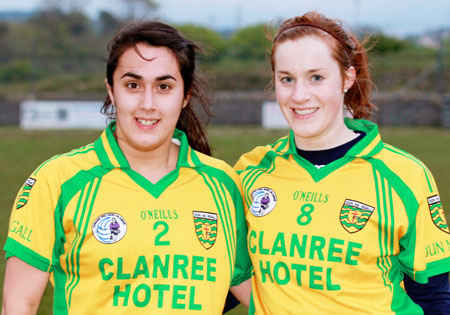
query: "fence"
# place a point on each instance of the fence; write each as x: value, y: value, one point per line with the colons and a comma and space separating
x: 245, y: 108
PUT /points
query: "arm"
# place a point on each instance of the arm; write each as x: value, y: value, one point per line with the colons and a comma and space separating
x: 433, y: 297
x: 243, y: 291
x: 23, y: 287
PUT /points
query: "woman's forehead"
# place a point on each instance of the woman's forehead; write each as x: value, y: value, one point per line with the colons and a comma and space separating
x: 148, y: 59
x: 309, y: 51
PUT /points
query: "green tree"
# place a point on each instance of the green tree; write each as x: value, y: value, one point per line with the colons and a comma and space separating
x: 138, y: 9
x: 249, y: 43
x: 58, y: 42
x: 213, y: 44
x: 108, y: 23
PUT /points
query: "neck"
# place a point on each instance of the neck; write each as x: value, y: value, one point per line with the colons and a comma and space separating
x: 153, y: 164
x: 332, y: 138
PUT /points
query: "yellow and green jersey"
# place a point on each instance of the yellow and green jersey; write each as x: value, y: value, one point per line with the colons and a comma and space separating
x: 117, y: 244
x: 339, y: 239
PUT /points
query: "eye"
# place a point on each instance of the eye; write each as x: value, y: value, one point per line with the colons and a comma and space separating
x: 132, y: 85
x: 317, y: 78
x: 164, y: 86
x: 286, y: 80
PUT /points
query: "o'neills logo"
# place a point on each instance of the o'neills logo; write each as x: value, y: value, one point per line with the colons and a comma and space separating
x: 109, y: 228
x: 264, y: 201
x: 437, y: 213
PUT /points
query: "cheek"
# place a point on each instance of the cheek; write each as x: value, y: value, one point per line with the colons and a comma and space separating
x: 335, y: 102
x: 281, y: 94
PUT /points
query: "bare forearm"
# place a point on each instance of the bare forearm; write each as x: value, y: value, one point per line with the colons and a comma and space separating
x: 23, y: 288
x: 242, y: 292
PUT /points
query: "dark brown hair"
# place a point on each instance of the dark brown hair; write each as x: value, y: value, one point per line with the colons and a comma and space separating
x: 347, y: 51
x: 158, y: 34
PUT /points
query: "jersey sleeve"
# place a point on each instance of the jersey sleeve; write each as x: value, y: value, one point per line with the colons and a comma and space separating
x: 31, y: 233
x: 243, y: 265
x: 427, y: 247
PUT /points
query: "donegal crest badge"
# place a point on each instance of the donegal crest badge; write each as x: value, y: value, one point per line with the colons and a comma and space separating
x: 205, y: 228
x: 25, y: 193
x: 354, y: 215
x: 437, y: 213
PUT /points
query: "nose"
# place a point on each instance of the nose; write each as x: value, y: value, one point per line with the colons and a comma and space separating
x: 300, y: 93
x: 147, y: 101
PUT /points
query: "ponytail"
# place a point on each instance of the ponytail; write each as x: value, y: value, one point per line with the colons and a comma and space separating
x: 357, y: 97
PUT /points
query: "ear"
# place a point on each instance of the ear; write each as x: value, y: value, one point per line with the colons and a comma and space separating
x: 110, y: 92
x: 186, y: 100
x: 350, y: 77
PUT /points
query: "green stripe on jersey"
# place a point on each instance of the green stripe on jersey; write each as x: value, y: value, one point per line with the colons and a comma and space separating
x: 82, y: 150
x: 219, y: 183
x: 84, y: 226
x: 76, y: 185
x: 280, y: 145
x: 385, y: 227
x: 226, y: 229
x: 70, y: 258
x: 431, y: 185
x: 411, y: 205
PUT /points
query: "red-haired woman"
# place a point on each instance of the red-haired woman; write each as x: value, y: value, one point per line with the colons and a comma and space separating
x: 351, y: 222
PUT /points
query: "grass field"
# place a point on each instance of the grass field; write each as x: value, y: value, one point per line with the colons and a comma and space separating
x: 22, y: 151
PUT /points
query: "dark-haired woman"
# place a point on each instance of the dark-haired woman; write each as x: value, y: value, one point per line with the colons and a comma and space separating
x: 142, y: 221
x: 350, y: 220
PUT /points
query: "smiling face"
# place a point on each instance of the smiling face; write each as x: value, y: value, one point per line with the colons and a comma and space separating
x: 310, y: 91
x: 148, y: 96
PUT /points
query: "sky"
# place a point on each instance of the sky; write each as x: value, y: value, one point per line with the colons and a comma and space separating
x: 395, y: 17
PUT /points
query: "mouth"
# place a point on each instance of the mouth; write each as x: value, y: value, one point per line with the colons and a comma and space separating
x: 147, y: 122
x: 306, y: 111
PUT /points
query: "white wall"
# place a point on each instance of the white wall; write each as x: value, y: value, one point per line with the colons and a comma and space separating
x: 61, y: 115
x: 272, y: 117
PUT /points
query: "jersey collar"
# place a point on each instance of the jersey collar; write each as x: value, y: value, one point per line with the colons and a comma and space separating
x: 368, y: 146
x: 111, y: 156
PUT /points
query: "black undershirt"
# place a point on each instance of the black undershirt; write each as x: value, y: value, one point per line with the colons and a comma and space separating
x: 323, y: 157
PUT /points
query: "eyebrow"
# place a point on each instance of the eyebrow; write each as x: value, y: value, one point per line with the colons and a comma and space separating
x: 139, y: 77
x: 309, y: 71
x: 316, y: 70
x: 283, y: 72
x: 133, y: 75
x: 165, y: 77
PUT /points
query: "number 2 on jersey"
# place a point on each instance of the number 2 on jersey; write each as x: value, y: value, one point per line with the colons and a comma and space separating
x: 305, y: 214
x: 158, y: 241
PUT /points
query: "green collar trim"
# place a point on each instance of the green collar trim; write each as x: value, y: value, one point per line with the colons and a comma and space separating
x: 111, y: 156
x: 367, y: 147
x: 371, y: 144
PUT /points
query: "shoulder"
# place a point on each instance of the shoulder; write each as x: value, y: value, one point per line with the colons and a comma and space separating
x: 215, y: 167
x: 262, y: 155
x: 410, y: 169
x: 68, y: 164
x: 400, y: 160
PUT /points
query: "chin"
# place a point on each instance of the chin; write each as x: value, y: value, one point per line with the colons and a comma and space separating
x: 305, y: 131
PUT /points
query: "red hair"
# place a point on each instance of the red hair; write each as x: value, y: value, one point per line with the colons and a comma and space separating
x: 347, y: 51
